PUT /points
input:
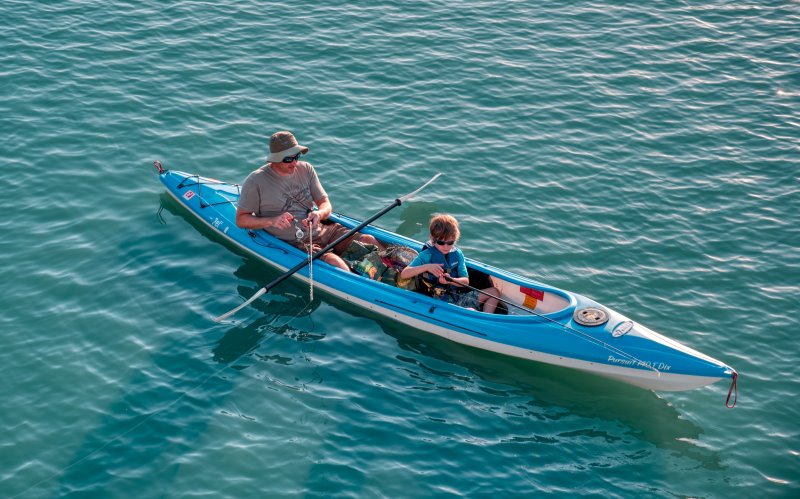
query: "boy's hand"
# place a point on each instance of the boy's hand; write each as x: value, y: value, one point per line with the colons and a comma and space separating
x: 436, y: 269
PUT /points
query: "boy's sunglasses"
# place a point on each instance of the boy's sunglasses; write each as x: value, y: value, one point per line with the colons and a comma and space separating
x: 289, y: 159
x: 445, y: 243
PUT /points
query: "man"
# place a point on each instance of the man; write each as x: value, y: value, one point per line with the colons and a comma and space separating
x: 281, y: 197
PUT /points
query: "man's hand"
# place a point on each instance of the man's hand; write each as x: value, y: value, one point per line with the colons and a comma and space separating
x: 283, y: 221
x: 312, y: 220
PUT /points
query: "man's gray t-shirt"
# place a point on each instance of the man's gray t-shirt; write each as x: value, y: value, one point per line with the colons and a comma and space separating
x: 268, y: 194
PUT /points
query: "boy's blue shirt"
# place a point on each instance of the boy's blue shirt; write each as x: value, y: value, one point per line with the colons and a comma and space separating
x: 425, y: 257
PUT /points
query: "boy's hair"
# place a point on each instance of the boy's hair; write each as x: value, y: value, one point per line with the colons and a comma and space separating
x: 444, y: 227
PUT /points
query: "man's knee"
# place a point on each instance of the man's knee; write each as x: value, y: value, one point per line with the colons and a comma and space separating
x: 335, y: 260
x: 367, y: 239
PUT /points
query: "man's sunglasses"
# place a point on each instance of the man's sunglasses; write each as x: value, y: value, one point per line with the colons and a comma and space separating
x: 289, y: 159
x: 445, y: 243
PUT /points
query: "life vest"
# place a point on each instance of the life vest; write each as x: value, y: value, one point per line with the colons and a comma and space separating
x: 449, y: 262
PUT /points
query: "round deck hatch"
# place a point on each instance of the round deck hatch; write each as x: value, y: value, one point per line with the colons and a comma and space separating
x: 590, y: 316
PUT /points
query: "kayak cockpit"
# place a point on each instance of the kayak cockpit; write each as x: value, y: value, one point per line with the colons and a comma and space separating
x: 522, y: 295
x: 519, y: 295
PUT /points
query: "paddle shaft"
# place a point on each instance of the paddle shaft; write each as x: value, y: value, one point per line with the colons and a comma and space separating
x: 330, y: 246
x: 397, y: 202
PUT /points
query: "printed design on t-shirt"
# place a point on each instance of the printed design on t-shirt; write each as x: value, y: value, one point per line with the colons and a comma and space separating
x: 297, y: 197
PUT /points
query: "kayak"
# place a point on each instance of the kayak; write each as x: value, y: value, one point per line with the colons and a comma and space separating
x: 535, y: 321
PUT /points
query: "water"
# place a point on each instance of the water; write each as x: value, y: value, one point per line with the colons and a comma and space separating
x: 646, y: 156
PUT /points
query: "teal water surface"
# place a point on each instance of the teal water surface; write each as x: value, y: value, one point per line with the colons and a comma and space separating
x: 643, y: 155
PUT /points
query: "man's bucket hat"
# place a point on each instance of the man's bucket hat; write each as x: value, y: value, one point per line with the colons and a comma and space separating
x: 283, y: 144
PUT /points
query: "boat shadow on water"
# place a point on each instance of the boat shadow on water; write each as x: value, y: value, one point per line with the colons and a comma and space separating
x: 542, y: 389
x: 648, y: 416
x: 545, y: 389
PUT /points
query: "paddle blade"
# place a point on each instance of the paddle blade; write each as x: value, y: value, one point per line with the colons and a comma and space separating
x: 412, y: 194
x: 248, y: 302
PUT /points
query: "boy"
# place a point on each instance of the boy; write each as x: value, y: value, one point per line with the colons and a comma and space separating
x: 439, y: 258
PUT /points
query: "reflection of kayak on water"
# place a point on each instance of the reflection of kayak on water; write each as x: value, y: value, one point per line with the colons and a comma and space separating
x: 537, y: 322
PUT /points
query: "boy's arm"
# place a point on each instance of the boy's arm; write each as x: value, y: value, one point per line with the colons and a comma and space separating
x: 463, y: 281
x: 410, y: 271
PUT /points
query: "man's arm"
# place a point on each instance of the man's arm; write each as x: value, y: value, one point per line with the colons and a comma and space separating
x: 246, y: 220
x: 432, y: 268
x: 323, y: 211
x: 324, y: 207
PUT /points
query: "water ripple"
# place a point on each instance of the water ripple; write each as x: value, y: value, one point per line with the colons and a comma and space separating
x: 642, y: 155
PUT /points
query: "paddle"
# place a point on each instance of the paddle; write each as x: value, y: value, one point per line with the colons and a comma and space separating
x: 397, y: 202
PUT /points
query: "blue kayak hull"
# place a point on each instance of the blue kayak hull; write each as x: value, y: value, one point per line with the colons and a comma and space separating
x: 640, y: 356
